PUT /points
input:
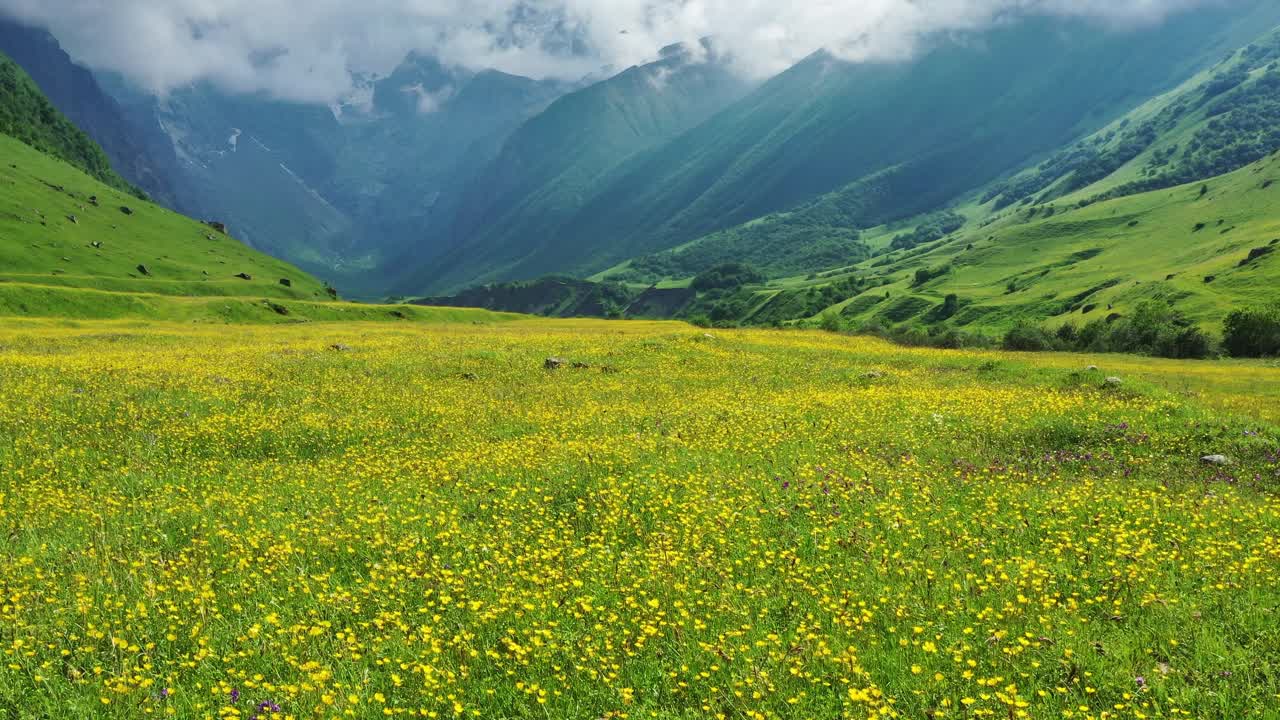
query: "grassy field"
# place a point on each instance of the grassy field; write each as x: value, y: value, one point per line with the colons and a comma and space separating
x: 69, y: 248
x: 1180, y: 245
x: 371, y: 520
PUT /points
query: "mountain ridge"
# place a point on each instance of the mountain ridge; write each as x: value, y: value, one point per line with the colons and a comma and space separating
x: 800, y: 134
x: 75, y: 91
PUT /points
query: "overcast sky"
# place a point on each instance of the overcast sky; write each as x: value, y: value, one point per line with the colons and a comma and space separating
x: 307, y: 49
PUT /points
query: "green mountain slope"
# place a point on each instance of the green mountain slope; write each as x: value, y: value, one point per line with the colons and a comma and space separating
x: 62, y: 229
x: 69, y: 249
x: 26, y: 114
x: 874, y: 143
x: 408, y: 173
x: 345, y: 191
x: 553, y: 165
x: 1218, y: 121
x: 1204, y: 249
x: 140, y: 154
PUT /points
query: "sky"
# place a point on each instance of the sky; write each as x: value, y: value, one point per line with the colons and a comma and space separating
x: 310, y: 50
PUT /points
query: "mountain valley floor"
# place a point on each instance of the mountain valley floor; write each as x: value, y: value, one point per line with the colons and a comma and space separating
x: 326, y: 520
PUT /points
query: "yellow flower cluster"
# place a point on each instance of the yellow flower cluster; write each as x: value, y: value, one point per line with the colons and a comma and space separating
x: 330, y: 521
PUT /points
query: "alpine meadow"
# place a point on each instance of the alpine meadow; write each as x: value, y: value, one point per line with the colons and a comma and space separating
x: 642, y: 359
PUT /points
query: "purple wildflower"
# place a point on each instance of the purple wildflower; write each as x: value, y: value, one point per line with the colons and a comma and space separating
x: 235, y: 695
x: 1141, y: 681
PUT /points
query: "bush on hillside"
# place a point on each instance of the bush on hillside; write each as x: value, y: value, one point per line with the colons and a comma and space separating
x: 924, y: 275
x: 933, y: 336
x: 831, y: 321
x: 727, y: 277
x: 1028, y: 337
x: 1154, y: 329
x: 935, y: 227
x: 1252, y: 333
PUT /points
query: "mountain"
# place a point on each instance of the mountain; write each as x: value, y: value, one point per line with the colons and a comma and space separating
x: 75, y: 92
x: 1218, y: 121
x: 1164, y: 214
x: 549, y: 169
x: 77, y: 241
x: 878, y: 142
x: 69, y: 249
x: 27, y: 115
x: 1200, y: 250
x: 340, y: 190
x: 252, y: 163
x: 433, y: 131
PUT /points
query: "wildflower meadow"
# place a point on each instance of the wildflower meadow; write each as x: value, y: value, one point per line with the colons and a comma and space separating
x: 432, y: 521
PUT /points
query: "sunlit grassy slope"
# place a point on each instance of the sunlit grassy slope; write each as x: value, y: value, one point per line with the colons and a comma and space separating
x: 52, y: 265
x: 1177, y: 245
x: 223, y: 522
x: 26, y: 114
x: 1022, y: 249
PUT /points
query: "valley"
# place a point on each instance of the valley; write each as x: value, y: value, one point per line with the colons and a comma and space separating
x: 354, y: 519
x: 926, y: 375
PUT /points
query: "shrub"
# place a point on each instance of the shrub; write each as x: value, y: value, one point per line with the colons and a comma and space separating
x: 1028, y: 337
x: 924, y: 275
x: 830, y: 321
x: 727, y: 277
x: 950, y: 306
x: 1068, y: 335
x: 1153, y: 329
x: 1252, y: 333
x: 935, y: 336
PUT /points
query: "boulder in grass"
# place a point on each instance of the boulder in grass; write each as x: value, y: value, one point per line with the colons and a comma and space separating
x: 143, y: 269
x: 1113, y: 382
x: 244, y: 276
x: 286, y: 282
x: 1218, y: 460
x: 553, y: 363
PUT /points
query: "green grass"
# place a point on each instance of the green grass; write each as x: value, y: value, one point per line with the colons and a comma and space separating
x: 50, y: 267
x: 40, y: 244
x: 749, y: 524
x: 25, y: 113
x: 1136, y: 242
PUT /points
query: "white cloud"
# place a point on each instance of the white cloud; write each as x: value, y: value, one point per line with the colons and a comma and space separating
x: 307, y: 49
x: 429, y: 101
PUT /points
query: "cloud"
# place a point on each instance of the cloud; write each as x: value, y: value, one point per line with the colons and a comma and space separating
x: 429, y: 101
x: 308, y: 50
